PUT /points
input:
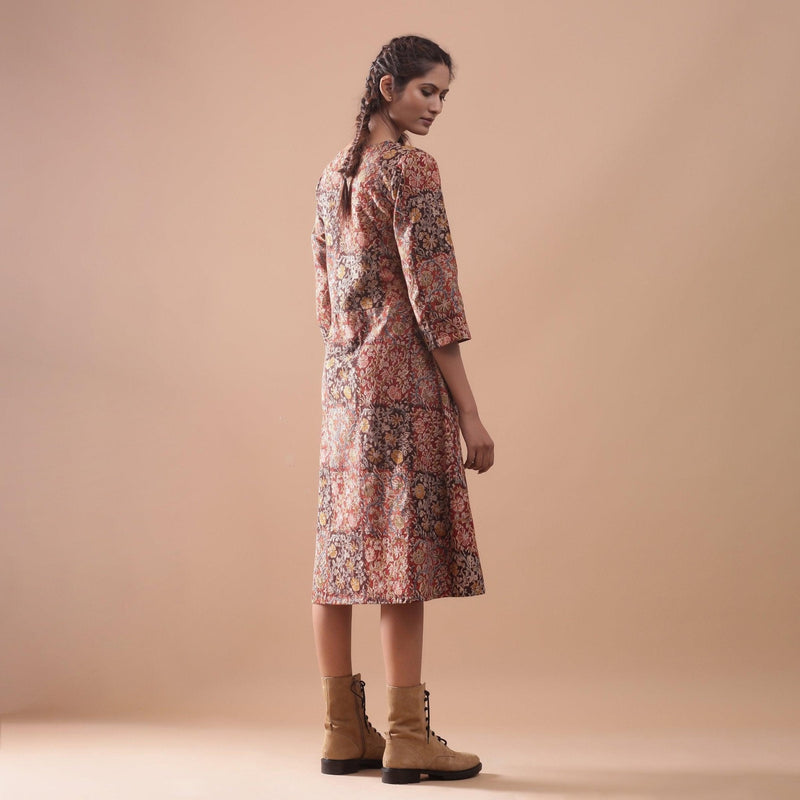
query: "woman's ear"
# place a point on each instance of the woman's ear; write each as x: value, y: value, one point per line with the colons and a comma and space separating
x: 386, y: 89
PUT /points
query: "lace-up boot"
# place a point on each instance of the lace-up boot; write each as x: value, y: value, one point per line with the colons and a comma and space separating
x: 413, y: 749
x: 350, y: 743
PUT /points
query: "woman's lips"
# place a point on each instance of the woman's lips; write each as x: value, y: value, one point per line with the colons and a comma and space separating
x: 427, y: 120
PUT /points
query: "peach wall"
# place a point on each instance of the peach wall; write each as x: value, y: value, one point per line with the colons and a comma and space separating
x: 621, y: 180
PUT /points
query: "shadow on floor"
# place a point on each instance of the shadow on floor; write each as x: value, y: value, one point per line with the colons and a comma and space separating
x: 652, y: 785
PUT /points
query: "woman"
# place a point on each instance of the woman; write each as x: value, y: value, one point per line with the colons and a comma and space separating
x: 394, y: 525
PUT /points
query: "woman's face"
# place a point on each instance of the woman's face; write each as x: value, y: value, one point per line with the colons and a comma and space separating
x: 416, y: 108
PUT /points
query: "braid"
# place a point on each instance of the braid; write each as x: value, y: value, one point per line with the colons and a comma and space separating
x: 404, y: 58
x: 369, y: 104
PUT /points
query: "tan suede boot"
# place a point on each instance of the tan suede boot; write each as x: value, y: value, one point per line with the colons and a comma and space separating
x: 413, y: 748
x: 350, y: 743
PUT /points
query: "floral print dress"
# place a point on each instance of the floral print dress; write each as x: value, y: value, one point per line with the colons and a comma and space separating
x: 394, y: 522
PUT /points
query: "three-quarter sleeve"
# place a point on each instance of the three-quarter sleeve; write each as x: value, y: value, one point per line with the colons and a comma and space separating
x: 323, y: 297
x: 426, y: 251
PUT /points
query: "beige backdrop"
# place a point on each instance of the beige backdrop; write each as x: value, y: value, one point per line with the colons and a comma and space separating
x: 622, y: 184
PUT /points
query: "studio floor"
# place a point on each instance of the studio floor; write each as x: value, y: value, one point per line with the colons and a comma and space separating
x: 138, y: 760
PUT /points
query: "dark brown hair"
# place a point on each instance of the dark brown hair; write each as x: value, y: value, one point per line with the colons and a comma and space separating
x: 404, y: 58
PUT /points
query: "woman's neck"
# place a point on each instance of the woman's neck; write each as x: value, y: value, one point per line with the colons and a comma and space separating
x: 381, y: 130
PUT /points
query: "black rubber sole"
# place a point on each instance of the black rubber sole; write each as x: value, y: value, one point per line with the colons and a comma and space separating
x: 346, y: 766
x: 393, y: 775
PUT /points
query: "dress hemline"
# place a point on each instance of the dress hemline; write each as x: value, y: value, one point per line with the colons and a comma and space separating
x: 345, y: 601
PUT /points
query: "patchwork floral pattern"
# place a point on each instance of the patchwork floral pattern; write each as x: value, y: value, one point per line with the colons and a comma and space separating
x: 394, y: 523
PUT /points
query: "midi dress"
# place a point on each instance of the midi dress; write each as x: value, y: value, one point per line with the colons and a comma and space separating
x: 394, y: 523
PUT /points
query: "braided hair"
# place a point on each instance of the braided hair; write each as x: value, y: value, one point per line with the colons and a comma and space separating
x: 404, y: 58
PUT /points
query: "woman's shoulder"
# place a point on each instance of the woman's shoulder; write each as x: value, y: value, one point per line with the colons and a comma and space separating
x: 416, y: 168
x: 337, y: 161
x: 329, y: 176
x: 411, y: 154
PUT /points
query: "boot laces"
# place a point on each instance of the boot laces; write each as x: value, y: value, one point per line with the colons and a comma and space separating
x: 428, y: 719
x: 363, y: 697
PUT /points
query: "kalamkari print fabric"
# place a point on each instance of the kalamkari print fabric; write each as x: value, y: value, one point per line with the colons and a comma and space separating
x: 394, y: 523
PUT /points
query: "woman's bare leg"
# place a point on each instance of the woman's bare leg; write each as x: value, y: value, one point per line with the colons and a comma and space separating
x: 401, y: 635
x: 333, y: 625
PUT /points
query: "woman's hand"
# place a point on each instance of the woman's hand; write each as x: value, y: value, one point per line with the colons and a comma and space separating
x: 480, y: 447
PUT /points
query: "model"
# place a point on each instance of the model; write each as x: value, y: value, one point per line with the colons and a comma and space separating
x: 394, y: 525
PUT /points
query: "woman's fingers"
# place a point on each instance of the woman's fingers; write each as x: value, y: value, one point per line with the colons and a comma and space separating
x: 480, y: 447
x: 469, y: 460
x: 480, y: 458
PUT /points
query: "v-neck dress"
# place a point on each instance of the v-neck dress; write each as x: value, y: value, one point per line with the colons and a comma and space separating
x: 394, y: 523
